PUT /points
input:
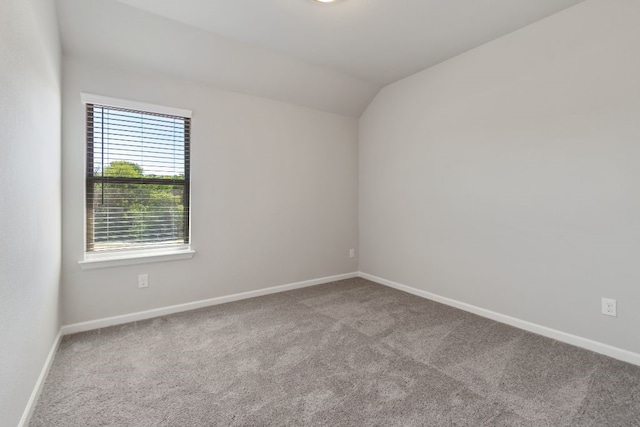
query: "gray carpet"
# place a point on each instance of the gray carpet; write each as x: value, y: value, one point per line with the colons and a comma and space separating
x: 347, y: 353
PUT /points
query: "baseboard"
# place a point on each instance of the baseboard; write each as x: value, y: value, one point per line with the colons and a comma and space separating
x: 595, y: 346
x: 149, y: 314
x: 37, y: 389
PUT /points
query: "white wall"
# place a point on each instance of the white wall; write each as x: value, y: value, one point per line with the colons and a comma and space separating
x: 29, y: 197
x: 274, y: 195
x: 509, y: 177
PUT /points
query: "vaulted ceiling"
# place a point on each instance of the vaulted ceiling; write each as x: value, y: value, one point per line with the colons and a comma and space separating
x: 332, y: 57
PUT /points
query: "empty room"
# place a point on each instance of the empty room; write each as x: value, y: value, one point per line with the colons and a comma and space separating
x: 317, y: 212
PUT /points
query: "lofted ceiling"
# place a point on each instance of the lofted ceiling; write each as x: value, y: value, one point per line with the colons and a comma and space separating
x: 378, y: 41
x: 332, y: 57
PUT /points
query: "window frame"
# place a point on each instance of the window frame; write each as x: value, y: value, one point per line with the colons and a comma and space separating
x: 138, y: 255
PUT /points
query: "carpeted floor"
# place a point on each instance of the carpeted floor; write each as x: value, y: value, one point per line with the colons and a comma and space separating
x: 347, y: 353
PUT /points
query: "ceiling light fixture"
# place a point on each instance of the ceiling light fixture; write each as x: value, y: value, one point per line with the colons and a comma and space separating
x: 324, y: 1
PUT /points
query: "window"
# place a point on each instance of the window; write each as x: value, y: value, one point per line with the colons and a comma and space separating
x: 137, y: 177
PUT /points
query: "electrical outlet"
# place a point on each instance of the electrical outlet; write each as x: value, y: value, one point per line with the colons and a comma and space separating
x: 143, y: 281
x: 352, y: 253
x: 609, y: 307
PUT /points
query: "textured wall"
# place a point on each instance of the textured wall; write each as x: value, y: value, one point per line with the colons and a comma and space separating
x: 274, y: 195
x: 29, y: 197
x: 507, y: 177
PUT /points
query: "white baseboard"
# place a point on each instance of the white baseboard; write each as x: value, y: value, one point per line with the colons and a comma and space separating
x: 37, y: 389
x: 595, y: 346
x: 149, y: 314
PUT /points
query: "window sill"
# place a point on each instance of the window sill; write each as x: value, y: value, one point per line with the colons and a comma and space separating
x: 141, y: 257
